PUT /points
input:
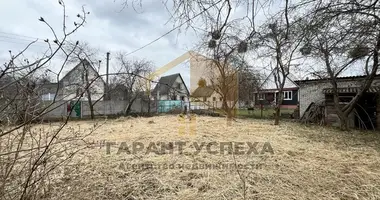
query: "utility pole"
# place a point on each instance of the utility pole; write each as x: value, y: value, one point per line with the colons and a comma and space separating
x: 107, y: 73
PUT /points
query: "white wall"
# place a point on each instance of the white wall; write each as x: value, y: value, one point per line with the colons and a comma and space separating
x: 75, y: 80
x: 58, y: 109
x: 182, y: 90
x: 313, y: 91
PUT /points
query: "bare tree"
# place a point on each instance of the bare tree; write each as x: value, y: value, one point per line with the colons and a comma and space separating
x: 225, y: 45
x: 343, y: 35
x: 130, y: 75
x: 29, y: 154
x: 280, y: 40
x: 229, y: 37
x: 223, y: 77
x: 249, y: 82
x: 86, y: 56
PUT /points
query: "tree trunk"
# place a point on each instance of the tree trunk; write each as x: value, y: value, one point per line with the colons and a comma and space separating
x: 229, y: 117
x: 226, y: 109
x: 89, y: 93
x: 344, y: 126
x: 129, y: 107
x: 92, y: 113
x: 277, y: 115
x: 278, y: 108
x: 229, y: 113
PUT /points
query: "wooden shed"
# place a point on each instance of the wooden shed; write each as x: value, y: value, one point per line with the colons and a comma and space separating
x: 318, y: 93
x: 366, y: 114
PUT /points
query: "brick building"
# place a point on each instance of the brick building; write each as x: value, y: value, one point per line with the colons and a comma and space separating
x: 319, y: 91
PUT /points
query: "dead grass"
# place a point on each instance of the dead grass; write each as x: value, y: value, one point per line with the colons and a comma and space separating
x: 308, y: 163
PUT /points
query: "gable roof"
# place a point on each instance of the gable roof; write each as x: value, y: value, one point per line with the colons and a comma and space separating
x: 203, y: 92
x: 80, y: 64
x: 166, y: 83
x: 269, y: 83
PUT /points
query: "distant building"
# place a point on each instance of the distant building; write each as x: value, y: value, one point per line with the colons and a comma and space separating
x: 268, y: 93
x: 171, y: 87
x: 74, y: 85
x: 319, y: 91
x: 206, y: 98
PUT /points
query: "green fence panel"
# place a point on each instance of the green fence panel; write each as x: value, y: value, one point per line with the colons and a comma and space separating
x: 168, y: 105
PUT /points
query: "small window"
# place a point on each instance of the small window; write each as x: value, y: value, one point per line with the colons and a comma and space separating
x: 288, y: 95
x: 220, y: 99
x: 48, y: 96
x: 183, y: 98
x: 213, y: 98
x: 261, y: 96
x: 204, y: 99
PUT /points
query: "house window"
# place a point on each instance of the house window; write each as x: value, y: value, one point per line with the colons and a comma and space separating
x: 220, y: 99
x: 214, y: 99
x: 182, y: 98
x: 48, y: 97
x: 288, y: 95
x: 204, y: 99
x: 261, y: 96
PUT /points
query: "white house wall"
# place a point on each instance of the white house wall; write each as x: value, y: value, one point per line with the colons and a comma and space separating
x: 313, y: 91
x: 73, y: 81
x: 182, y: 90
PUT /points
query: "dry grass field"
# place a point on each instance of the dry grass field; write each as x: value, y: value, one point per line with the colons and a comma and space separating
x: 308, y: 162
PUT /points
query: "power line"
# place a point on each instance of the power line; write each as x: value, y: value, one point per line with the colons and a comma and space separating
x: 17, y: 42
x: 173, y: 29
x: 21, y: 40
x: 36, y: 40
x: 153, y: 41
x: 19, y: 35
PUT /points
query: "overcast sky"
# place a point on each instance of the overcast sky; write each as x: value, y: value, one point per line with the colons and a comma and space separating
x: 108, y: 28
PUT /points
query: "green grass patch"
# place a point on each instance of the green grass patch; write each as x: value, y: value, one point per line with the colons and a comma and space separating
x: 265, y: 113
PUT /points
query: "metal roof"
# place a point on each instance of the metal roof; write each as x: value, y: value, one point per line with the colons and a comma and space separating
x: 373, y: 89
x: 338, y: 78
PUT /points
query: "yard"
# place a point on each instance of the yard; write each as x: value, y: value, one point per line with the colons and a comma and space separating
x: 266, y: 113
x: 306, y: 162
